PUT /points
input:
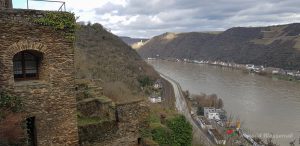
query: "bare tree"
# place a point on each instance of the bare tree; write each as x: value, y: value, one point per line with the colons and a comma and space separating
x: 220, y: 103
x: 208, y: 100
x: 270, y: 142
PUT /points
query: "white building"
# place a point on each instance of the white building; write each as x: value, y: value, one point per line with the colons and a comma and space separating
x: 275, y: 72
x: 211, y: 113
x: 150, y: 58
x: 290, y: 73
x: 297, y: 74
x: 155, y: 99
x: 250, y: 66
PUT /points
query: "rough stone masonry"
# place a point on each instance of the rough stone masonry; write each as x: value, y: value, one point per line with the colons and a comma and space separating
x: 5, y: 4
x: 50, y: 98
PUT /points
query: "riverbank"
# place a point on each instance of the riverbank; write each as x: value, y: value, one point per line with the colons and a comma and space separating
x: 202, y: 134
x: 272, y: 72
x: 257, y: 100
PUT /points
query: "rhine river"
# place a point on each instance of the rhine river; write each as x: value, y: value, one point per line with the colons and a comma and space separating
x: 263, y: 104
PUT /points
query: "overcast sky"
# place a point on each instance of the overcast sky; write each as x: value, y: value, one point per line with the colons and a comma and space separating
x: 147, y: 18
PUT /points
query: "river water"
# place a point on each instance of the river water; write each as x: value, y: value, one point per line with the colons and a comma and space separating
x: 264, y: 105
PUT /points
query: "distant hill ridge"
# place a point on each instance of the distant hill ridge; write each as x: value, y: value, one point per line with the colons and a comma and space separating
x: 130, y: 41
x: 275, y: 46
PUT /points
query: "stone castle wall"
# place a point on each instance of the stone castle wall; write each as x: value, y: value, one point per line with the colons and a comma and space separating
x: 50, y: 99
x: 123, y: 130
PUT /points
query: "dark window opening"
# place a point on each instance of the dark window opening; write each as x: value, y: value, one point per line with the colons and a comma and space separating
x: 31, y: 131
x: 117, y: 116
x: 139, y: 141
x: 25, y: 65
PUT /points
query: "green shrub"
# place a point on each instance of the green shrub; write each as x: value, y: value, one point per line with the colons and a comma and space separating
x: 163, y: 136
x: 145, y: 81
x: 153, y: 118
x: 149, y: 142
x: 200, y: 111
x: 10, y: 103
x: 59, y: 21
x: 146, y: 133
x: 182, y: 131
x: 177, y: 132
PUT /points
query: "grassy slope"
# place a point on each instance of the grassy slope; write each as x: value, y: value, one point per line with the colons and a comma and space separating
x: 103, y: 57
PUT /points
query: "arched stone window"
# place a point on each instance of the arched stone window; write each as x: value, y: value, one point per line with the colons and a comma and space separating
x: 26, y: 65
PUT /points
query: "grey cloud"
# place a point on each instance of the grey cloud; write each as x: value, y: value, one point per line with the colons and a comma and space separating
x: 108, y: 8
x: 196, y: 15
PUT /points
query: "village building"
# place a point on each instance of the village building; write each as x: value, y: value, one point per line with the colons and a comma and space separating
x: 158, y: 84
x: 255, y: 68
x: 211, y: 113
x: 155, y: 99
x: 37, y: 65
x: 204, y: 123
x: 297, y: 74
x: 250, y: 66
x: 291, y: 72
x: 275, y: 72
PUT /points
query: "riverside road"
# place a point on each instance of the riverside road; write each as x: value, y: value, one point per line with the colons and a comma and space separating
x: 182, y: 108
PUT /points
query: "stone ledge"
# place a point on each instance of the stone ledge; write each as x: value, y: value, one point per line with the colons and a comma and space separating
x: 101, y: 99
x: 30, y: 83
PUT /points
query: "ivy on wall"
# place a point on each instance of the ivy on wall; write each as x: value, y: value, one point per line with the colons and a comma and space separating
x: 59, y: 21
x: 11, y: 121
x: 9, y: 103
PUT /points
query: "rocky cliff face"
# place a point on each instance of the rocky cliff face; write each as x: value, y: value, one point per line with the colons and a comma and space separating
x: 276, y: 46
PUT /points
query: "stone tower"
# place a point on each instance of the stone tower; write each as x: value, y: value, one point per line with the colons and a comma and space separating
x: 37, y: 66
x: 5, y: 4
